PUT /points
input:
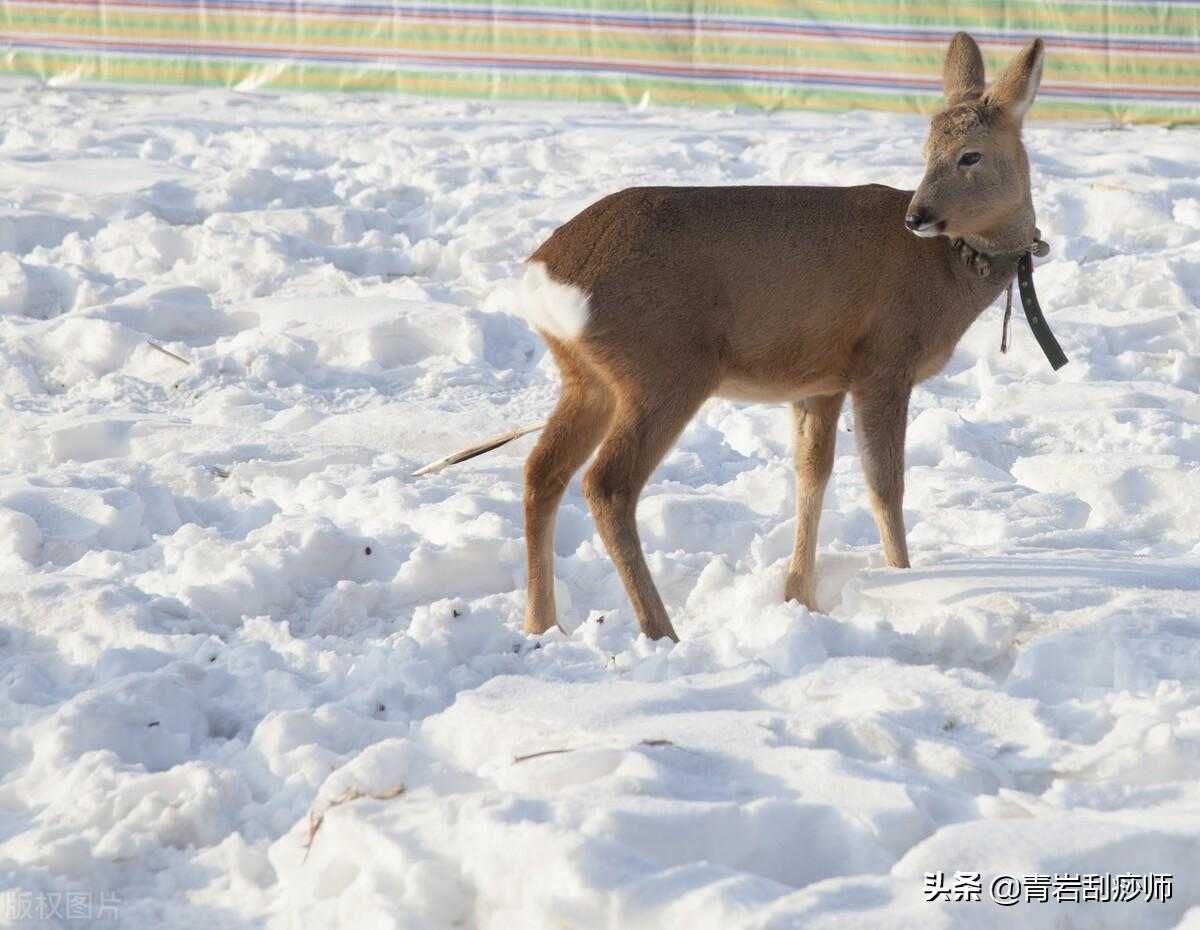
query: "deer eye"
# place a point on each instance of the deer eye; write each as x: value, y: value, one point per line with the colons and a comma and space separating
x: 969, y: 158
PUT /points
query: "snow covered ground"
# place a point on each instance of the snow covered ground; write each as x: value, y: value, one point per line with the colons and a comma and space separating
x: 254, y: 675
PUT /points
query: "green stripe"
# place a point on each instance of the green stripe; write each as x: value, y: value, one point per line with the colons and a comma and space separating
x: 1006, y: 15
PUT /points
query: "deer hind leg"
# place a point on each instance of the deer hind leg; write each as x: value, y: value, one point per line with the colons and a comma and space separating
x: 642, y: 431
x: 571, y: 434
x: 815, y: 435
x: 881, y: 415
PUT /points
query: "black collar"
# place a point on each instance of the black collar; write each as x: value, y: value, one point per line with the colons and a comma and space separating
x: 982, y: 263
x: 1033, y: 310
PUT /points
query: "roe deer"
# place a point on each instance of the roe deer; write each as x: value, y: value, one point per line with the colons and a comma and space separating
x: 654, y: 299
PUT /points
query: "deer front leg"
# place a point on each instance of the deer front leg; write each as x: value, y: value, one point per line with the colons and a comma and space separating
x: 814, y: 437
x: 881, y: 417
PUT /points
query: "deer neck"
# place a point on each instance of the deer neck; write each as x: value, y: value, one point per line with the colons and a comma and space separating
x: 1010, y: 235
x: 977, y: 292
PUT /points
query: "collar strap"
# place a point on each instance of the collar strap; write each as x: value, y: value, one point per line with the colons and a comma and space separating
x: 1033, y: 310
x: 982, y: 264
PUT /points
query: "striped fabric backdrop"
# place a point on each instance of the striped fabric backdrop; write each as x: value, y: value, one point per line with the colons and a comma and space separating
x: 1106, y: 60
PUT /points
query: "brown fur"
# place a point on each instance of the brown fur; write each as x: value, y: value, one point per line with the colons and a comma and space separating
x: 796, y: 294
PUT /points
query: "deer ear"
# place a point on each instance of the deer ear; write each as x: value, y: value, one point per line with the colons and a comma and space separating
x: 962, y: 74
x: 1015, y: 89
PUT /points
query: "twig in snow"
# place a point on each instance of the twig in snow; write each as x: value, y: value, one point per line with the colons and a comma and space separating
x: 315, y: 820
x: 556, y: 752
x: 169, y: 354
x: 486, y: 446
x: 538, y: 755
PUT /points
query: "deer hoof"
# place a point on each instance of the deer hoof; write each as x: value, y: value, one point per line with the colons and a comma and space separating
x: 796, y: 590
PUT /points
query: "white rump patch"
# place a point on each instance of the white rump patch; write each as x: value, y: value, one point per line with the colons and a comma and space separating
x: 551, y: 306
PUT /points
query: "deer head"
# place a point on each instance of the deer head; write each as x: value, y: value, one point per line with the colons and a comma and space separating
x: 976, y: 183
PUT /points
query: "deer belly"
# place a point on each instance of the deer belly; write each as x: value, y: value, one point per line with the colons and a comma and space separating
x: 776, y: 392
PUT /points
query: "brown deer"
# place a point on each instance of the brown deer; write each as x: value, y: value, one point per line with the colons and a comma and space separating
x: 654, y: 299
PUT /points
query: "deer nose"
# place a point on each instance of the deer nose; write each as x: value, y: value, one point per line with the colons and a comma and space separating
x: 917, y: 218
